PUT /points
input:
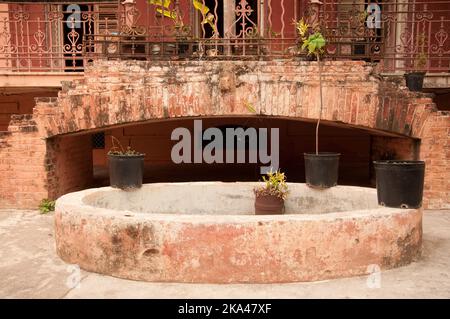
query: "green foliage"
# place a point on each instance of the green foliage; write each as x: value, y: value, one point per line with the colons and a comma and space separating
x: 249, y: 107
x: 166, y: 12
x: 173, y: 14
x: 312, y: 40
x: 160, y: 3
x: 46, y: 206
x: 301, y: 27
x: 200, y: 6
x: 118, y: 149
x: 314, y: 44
x: 275, y: 185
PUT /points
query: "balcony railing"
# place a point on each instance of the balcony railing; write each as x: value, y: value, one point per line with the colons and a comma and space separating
x: 402, y: 35
x: 56, y: 36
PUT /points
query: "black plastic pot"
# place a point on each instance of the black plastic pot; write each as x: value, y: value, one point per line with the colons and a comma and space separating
x: 321, y: 170
x: 126, y: 172
x: 400, y: 183
x: 414, y: 81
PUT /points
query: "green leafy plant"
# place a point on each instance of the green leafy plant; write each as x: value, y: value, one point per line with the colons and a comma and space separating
x: 302, y: 27
x: 163, y: 7
x: 249, y: 107
x: 275, y: 185
x: 314, y: 43
x: 118, y: 150
x: 46, y: 206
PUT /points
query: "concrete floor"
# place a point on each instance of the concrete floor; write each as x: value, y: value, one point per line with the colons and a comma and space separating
x: 30, y: 268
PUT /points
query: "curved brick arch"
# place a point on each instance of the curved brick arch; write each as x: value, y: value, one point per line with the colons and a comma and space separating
x: 114, y: 93
x: 122, y: 92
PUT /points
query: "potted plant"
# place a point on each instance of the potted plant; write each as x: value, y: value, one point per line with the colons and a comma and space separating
x: 269, y: 198
x: 414, y: 79
x: 321, y: 168
x: 126, y: 167
x: 399, y: 183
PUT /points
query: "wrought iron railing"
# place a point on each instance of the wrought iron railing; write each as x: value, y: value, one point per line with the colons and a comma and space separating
x: 400, y: 34
x: 57, y: 36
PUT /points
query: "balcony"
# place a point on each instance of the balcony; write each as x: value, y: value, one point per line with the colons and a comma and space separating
x: 60, y: 38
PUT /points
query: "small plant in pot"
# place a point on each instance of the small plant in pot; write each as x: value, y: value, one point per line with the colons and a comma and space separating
x: 399, y: 183
x: 126, y: 167
x: 269, y: 198
x: 321, y: 168
x: 414, y: 79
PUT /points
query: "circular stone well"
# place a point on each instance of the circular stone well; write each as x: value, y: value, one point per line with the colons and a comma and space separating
x: 206, y: 232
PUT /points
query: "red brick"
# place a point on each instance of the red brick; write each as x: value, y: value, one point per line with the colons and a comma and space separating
x: 115, y: 92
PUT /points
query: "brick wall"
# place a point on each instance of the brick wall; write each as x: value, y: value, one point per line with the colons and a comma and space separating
x: 114, y: 93
x: 392, y: 148
x: 435, y: 151
x: 19, y: 102
x: 33, y: 168
x: 70, y: 158
x: 23, y: 168
x: 120, y: 92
